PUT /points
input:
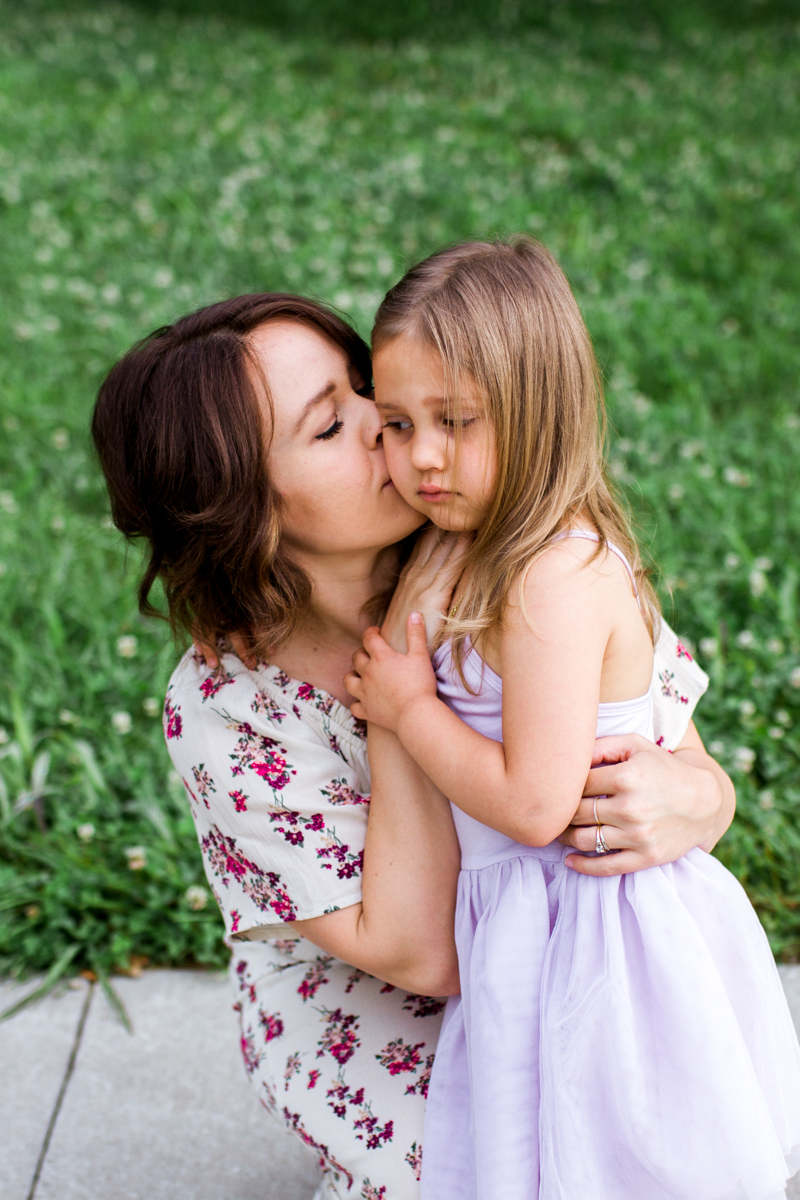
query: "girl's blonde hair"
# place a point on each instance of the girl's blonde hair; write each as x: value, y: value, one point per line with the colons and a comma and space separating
x: 502, y: 314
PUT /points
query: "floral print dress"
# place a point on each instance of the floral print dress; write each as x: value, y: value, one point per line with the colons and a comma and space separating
x: 277, y: 779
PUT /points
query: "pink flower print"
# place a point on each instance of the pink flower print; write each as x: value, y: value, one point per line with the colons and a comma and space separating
x: 325, y: 703
x: 370, y: 1192
x: 263, y: 703
x: 338, y: 1095
x: 241, y: 971
x: 682, y: 652
x: 414, y: 1160
x: 339, y: 791
x: 173, y: 722
x: 292, y: 1068
x: 236, y: 918
x: 423, y: 1006
x: 203, y: 782
x: 660, y: 741
x: 282, y: 679
x: 272, y: 1025
x: 313, y: 1076
x: 215, y: 683
x: 349, y: 864
x: 295, y: 1124
x: 269, y: 1099
x: 387, y: 987
x: 339, y: 1039
x: 286, y: 945
x: 239, y: 801
x: 297, y: 712
x: 399, y: 1057
x: 227, y: 862
x: 668, y: 688
x: 306, y: 692
x: 372, y: 1128
x: 249, y: 1053
x: 262, y: 755
x: 353, y: 979
x: 420, y: 1085
x: 314, y: 978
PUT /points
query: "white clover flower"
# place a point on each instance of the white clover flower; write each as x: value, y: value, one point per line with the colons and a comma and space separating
x: 640, y: 404
x: 151, y: 706
x: 758, y: 583
x: 782, y: 717
x: 51, y: 324
x: 86, y: 831
x: 705, y: 471
x: 48, y: 283
x: 121, y: 722
x: 766, y: 799
x: 676, y: 491
x: 163, y: 278
x: 775, y: 646
x: 127, y: 646
x: 794, y: 677
x: 745, y: 640
x: 110, y: 293
x: 736, y: 477
x: 3, y: 736
x: 137, y: 857
x: 763, y: 564
x: 24, y: 331
x: 58, y: 524
x: 67, y: 718
x: 709, y: 647
x: 716, y: 747
x: 747, y: 709
x: 60, y: 439
x: 776, y: 732
x: 107, y: 522
x: 792, y: 421
x: 691, y: 449
x: 8, y: 504
x: 731, y: 562
x: 743, y: 759
x: 3, y: 568
x: 196, y: 897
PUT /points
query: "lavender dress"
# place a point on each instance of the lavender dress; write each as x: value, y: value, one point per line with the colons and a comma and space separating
x: 623, y: 1038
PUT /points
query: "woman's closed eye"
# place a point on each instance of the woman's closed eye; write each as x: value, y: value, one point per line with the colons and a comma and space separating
x: 330, y: 432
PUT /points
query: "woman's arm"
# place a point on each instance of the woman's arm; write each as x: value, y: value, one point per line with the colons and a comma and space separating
x: 654, y: 806
x: 402, y: 931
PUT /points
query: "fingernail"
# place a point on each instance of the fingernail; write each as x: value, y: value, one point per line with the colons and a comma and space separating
x: 416, y: 617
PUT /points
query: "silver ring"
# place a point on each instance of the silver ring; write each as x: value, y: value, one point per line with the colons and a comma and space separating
x: 594, y: 810
x: 600, y: 844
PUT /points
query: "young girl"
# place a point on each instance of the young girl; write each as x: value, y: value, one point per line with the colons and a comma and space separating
x: 617, y: 1038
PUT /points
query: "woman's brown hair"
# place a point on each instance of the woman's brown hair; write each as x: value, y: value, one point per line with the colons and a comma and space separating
x: 183, y: 445
x: 502, y: 315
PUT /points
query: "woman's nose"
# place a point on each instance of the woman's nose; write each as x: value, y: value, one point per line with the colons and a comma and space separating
x: 373, y: 426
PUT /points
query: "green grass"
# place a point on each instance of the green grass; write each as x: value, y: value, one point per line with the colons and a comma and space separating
x: 151, y: 162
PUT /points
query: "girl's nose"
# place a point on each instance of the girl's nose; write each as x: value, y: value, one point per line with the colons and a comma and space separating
x: 429, y: 451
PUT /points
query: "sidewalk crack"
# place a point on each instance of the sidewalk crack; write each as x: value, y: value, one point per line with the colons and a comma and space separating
x: 61, y: 1092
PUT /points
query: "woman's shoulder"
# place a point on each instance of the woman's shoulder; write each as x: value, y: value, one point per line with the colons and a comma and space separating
x: 265, y: 695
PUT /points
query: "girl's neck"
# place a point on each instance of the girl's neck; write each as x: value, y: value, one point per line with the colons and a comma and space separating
x: 321, y: 648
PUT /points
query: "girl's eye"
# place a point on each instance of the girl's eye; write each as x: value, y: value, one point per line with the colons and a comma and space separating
x: 464, y: 423
x: 331, y: 432
x: 398, y: 426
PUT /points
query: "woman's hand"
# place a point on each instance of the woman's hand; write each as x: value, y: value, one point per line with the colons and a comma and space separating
x: 426, y: 585
x: 384, y: 682
x: 653, y: 806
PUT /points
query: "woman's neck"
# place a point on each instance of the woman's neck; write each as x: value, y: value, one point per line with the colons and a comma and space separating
x: 320, y: 650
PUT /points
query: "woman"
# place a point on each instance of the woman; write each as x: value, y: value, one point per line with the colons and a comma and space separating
x: 241, y: 442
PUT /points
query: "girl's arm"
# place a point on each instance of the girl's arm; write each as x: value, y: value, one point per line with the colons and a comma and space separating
x: 654, y: 806
x: 402, y: 931
x: 528, y: 785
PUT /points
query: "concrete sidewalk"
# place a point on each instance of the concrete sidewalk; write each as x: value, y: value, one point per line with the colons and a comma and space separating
x: 88, y: 1112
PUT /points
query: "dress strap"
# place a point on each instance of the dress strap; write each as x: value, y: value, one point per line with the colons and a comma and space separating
x: 589, y: 536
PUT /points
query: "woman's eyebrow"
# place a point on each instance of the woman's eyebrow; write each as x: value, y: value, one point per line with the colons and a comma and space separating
x: 311, y: 404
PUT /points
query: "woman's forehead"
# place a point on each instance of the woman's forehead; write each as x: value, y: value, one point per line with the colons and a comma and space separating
x: 297, y: 362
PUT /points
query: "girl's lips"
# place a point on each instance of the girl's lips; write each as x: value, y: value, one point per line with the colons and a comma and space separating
x: 434, y: 497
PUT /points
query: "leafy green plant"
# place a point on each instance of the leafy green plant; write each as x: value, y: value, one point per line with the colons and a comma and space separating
x: 151, y: 162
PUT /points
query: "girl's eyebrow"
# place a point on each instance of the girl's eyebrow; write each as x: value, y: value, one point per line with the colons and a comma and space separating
x: 311, y: 404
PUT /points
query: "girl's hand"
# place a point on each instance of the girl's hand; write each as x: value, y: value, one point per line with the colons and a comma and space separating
x: 211, y: 653
x: 653, y: 806
x: 426, y: 585
x: 384, y: 682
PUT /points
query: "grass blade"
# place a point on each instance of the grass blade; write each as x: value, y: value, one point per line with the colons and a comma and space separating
x: 48, y: 983
x: 113, y: 998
